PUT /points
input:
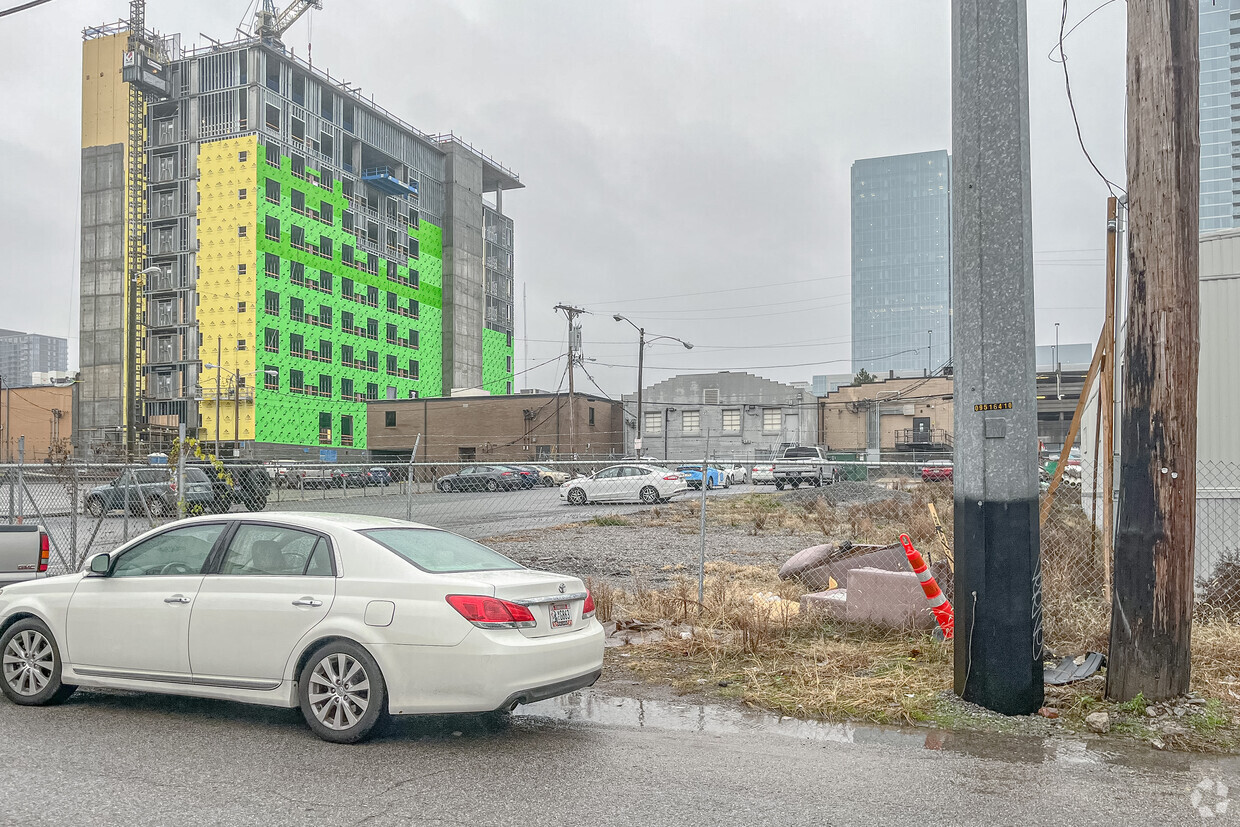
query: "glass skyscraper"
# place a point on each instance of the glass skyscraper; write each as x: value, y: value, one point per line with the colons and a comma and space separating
x: 901, y: 263
x: 1219, y: 165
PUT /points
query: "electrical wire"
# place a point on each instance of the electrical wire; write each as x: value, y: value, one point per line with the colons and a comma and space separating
x: 1067, y: 82
x: 23, y: 7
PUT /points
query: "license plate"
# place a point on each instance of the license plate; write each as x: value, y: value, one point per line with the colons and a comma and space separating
x: 561, y: 615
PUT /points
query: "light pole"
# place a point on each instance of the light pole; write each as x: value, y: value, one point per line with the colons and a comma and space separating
x: 235, y: 380
x: 929, y: 352
x: 1058, y: 385
x: 641, y: 358
x: 130, y: 388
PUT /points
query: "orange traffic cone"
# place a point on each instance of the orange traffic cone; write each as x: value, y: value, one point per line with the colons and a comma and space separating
x: 939, y: 603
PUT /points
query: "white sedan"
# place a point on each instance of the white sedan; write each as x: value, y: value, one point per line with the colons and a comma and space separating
x: 762, y: 474
x: 350, y: 618
x: 647, y: 484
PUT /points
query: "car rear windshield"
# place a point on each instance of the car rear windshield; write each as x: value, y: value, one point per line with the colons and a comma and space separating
x: 439, y: 551
x: 801, y: 453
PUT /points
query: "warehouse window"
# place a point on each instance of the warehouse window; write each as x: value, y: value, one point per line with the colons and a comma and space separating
x: 591, y: 416
x: 772, y: 419
x: 691, y: 421
x: 732, y: 419
x: 389, y: 419
x: 654, y: 422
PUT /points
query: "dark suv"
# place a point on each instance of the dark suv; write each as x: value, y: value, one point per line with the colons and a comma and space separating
x: 249, y: 486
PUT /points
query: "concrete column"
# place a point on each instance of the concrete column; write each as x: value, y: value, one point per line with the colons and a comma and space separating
x: 998, y: 639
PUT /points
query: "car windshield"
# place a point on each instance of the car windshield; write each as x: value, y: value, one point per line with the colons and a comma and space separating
x: 196, y: 475
x: 439, y: 551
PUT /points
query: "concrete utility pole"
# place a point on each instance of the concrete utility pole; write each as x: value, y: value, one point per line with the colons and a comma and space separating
x: 998, y: 641
x: 572, y: 313
x: 1152, y: 607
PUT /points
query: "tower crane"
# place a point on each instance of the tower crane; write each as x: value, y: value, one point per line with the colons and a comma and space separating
x: 270, y: 24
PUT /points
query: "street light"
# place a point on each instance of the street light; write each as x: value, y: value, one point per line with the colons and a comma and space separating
x: 642, y: 341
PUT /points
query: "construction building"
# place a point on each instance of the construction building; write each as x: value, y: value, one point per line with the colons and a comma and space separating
x: 277, y: 251
x: 526, y: 427
x: 894, y: 415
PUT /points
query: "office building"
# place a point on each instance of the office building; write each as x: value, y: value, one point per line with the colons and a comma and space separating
x: 22, y: 355
x: 312, y: 251
x: 1220, y: 164
x: 901, y: 264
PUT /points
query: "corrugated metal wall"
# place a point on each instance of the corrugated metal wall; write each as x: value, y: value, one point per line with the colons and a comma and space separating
x: 1218, y: 385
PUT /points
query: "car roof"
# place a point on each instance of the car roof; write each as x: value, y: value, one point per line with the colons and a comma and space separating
x: 313, y: 520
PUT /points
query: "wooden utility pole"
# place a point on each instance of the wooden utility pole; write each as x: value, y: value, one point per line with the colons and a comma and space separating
x: 572, y: 313
x: 1151, y: 618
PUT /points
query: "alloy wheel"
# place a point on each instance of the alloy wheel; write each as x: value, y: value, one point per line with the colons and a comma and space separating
x: 339, y: 691
x: 28, y: 662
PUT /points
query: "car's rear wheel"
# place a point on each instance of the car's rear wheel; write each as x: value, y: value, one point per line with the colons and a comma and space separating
x: 577, y: 497
x: 445, y: 486
x: 30, y: 665
x: 342, y: 693
x: 548, y: 482
x: 492, y: 486
x: 815, y: 482
x: 649, y: 495
x: 95, y: 506
x: 157, y: 506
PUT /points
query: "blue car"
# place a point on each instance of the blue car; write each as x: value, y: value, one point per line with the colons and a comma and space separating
x: 693, y: 476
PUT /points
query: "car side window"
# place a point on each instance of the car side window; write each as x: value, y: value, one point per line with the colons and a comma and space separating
x: 179, y: 551
x: 271, y: 551
x: 608, y: 474
x: 320, y: 562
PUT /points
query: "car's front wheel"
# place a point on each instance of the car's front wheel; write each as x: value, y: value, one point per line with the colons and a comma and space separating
x: 342, y: 693
x: 445, y: 486
x: 577, y: 497
x: 95, y: 506
x: 31, y: 665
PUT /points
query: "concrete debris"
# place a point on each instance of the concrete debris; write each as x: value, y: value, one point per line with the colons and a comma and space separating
x: 1048, y: 712
x: 1099, y: 722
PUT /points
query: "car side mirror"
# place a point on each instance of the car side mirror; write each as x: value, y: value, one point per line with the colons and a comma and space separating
x: 100, y: 564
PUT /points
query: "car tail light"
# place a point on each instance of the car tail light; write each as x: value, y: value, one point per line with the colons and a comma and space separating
x: 672, y: 477
x: 44, y: 552
x: 505, y: 473
x: 587, y: 609
x: 491, y: 612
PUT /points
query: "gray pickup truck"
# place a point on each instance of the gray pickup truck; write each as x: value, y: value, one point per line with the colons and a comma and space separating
x: 804, y: 465
x: 24, y: 553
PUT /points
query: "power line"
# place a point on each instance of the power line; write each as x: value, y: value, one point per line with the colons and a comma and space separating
x: 23, y: 7
x: 1067, y: 82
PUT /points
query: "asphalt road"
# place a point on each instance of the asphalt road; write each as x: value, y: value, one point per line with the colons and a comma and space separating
x: 123, y: 759
x: 474, y: 515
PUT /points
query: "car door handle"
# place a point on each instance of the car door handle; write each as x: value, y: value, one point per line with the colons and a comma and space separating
x: 309, y: 602
x: 176, y: 598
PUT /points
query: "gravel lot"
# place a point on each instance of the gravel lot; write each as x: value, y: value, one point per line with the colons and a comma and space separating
x: 655, y: 554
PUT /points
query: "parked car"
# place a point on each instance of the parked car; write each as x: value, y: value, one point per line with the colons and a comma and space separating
x: 550, y: 476
x: 357, y: 618
x: 153, y: 490
x: 379, y: 476
x: 244, y: 484
x: 937, y: 470
x: 804, y: 465
x: 528, y: 476
x: 481, y: 478
x: 648, y: 484
x: 762, y: 474
x: 693, y: 476
x: 737, y: 474
x: 24, y: 553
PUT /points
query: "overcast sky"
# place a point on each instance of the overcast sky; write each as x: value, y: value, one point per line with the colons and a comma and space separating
x: 686, y: 161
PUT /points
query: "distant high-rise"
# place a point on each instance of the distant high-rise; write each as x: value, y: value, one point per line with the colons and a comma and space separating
x: 901, y: 263
x: 24, y: 354
x: 1220, y: 165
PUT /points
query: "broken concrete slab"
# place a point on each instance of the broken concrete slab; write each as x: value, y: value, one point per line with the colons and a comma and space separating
x: 888, y: 598
x: 833, y: 603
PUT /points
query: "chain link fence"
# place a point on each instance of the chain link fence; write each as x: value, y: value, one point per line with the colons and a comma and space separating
x: 643, y: 529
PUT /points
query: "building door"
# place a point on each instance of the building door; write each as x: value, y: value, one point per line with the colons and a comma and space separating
x: 921, y: 430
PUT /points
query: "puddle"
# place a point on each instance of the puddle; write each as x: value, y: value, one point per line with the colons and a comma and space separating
x: 710, y: 719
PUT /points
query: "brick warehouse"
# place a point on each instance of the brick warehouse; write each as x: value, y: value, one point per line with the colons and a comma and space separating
x: 526, y: 427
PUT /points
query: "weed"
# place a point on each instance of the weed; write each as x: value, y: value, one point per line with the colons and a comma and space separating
x: 1134, y: 707
x: 609, y: 520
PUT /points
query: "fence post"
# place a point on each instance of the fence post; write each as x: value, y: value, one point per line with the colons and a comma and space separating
x: 124, y: 481
x: 181, y: 471
x: 21, y: 484
x: 409, y: 479
x: 73, y: 514
x: 702, y: 529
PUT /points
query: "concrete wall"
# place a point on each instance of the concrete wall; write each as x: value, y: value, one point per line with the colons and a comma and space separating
x: 846, y: 417
x: 41, y: 414
x: 517, y: 428
x: 737, y: 391
x: 464, y: 271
